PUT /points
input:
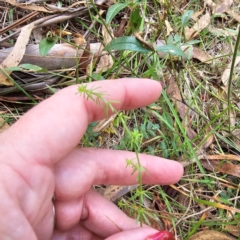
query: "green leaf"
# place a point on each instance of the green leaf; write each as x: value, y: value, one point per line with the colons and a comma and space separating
x: 97, y: 76
x: 126, y: 43
x: 172, y: 50
x: 30, y: 67
x: 114, y: 10
x: 45, y: 45
x: 186, y: 17
x: 192, y: 42
x: 134, y: 21
x: 13, y: 69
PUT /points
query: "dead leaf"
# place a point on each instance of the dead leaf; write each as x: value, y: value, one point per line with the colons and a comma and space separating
x: 37, y: 34
x: 223, y: 6
x: 234, y: 15
x: 234, y: 230
x: 60, y: 32
x: 169, y: 28
x: 165, y: 216
x: 106, y: 60
x: 201, y: 24
x: 28, y: 7
x: 114, y: 192
x: 209, y: 3
x: 84, y: 60
x: 3, y: 125
x: 16, y: 55
x: 104, y: 64
x: 104, y: 123
x: 236, y: 137
x: 228, y: 2
x: 225, y: 80
x: 223, y: 156
x: 201, y: 55
x: 221, y: 9
x: 210, y: 235
x: 60, y: 56
x: 197, y: 14
x: 208, y: 141
x: 223, y: 167
x: 79, y: 39
x: 226, y: 73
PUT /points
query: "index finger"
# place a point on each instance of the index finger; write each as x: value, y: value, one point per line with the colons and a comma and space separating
x: 53, y: 128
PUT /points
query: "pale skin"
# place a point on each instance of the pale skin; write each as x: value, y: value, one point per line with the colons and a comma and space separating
x: 38, y: 157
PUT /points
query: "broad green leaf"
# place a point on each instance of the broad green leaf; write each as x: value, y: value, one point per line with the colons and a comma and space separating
x: 186, y: 17
x: 45, y: 45
x: 114, y: 10
x: 126, y: 43
x: 13, y: 69
x: 30, y: 67
x: 97, y: 76
x: 134, y: 20
x: 172, y: 50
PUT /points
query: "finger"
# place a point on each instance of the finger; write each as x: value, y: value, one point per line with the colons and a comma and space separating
x: 136, y: 234
x: 76, y: 233
x: 96, y: 214
x: 53, y: 128
x: 86, y: 167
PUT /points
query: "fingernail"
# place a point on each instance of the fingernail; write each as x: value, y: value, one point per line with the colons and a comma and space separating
x: 162, y: 235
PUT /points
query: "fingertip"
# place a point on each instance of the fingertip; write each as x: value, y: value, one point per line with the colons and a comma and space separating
x: 154, y: 87
x: 140, y: 233
x: 174, y: 172
x: 162, y: 171
x: 179, y: 170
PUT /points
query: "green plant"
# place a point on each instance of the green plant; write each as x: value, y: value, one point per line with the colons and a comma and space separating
x: 134, y: 139
x: 90, y: 137
x: 47, y: 43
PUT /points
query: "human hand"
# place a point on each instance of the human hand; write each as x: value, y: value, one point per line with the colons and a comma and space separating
x: 38, y: 158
